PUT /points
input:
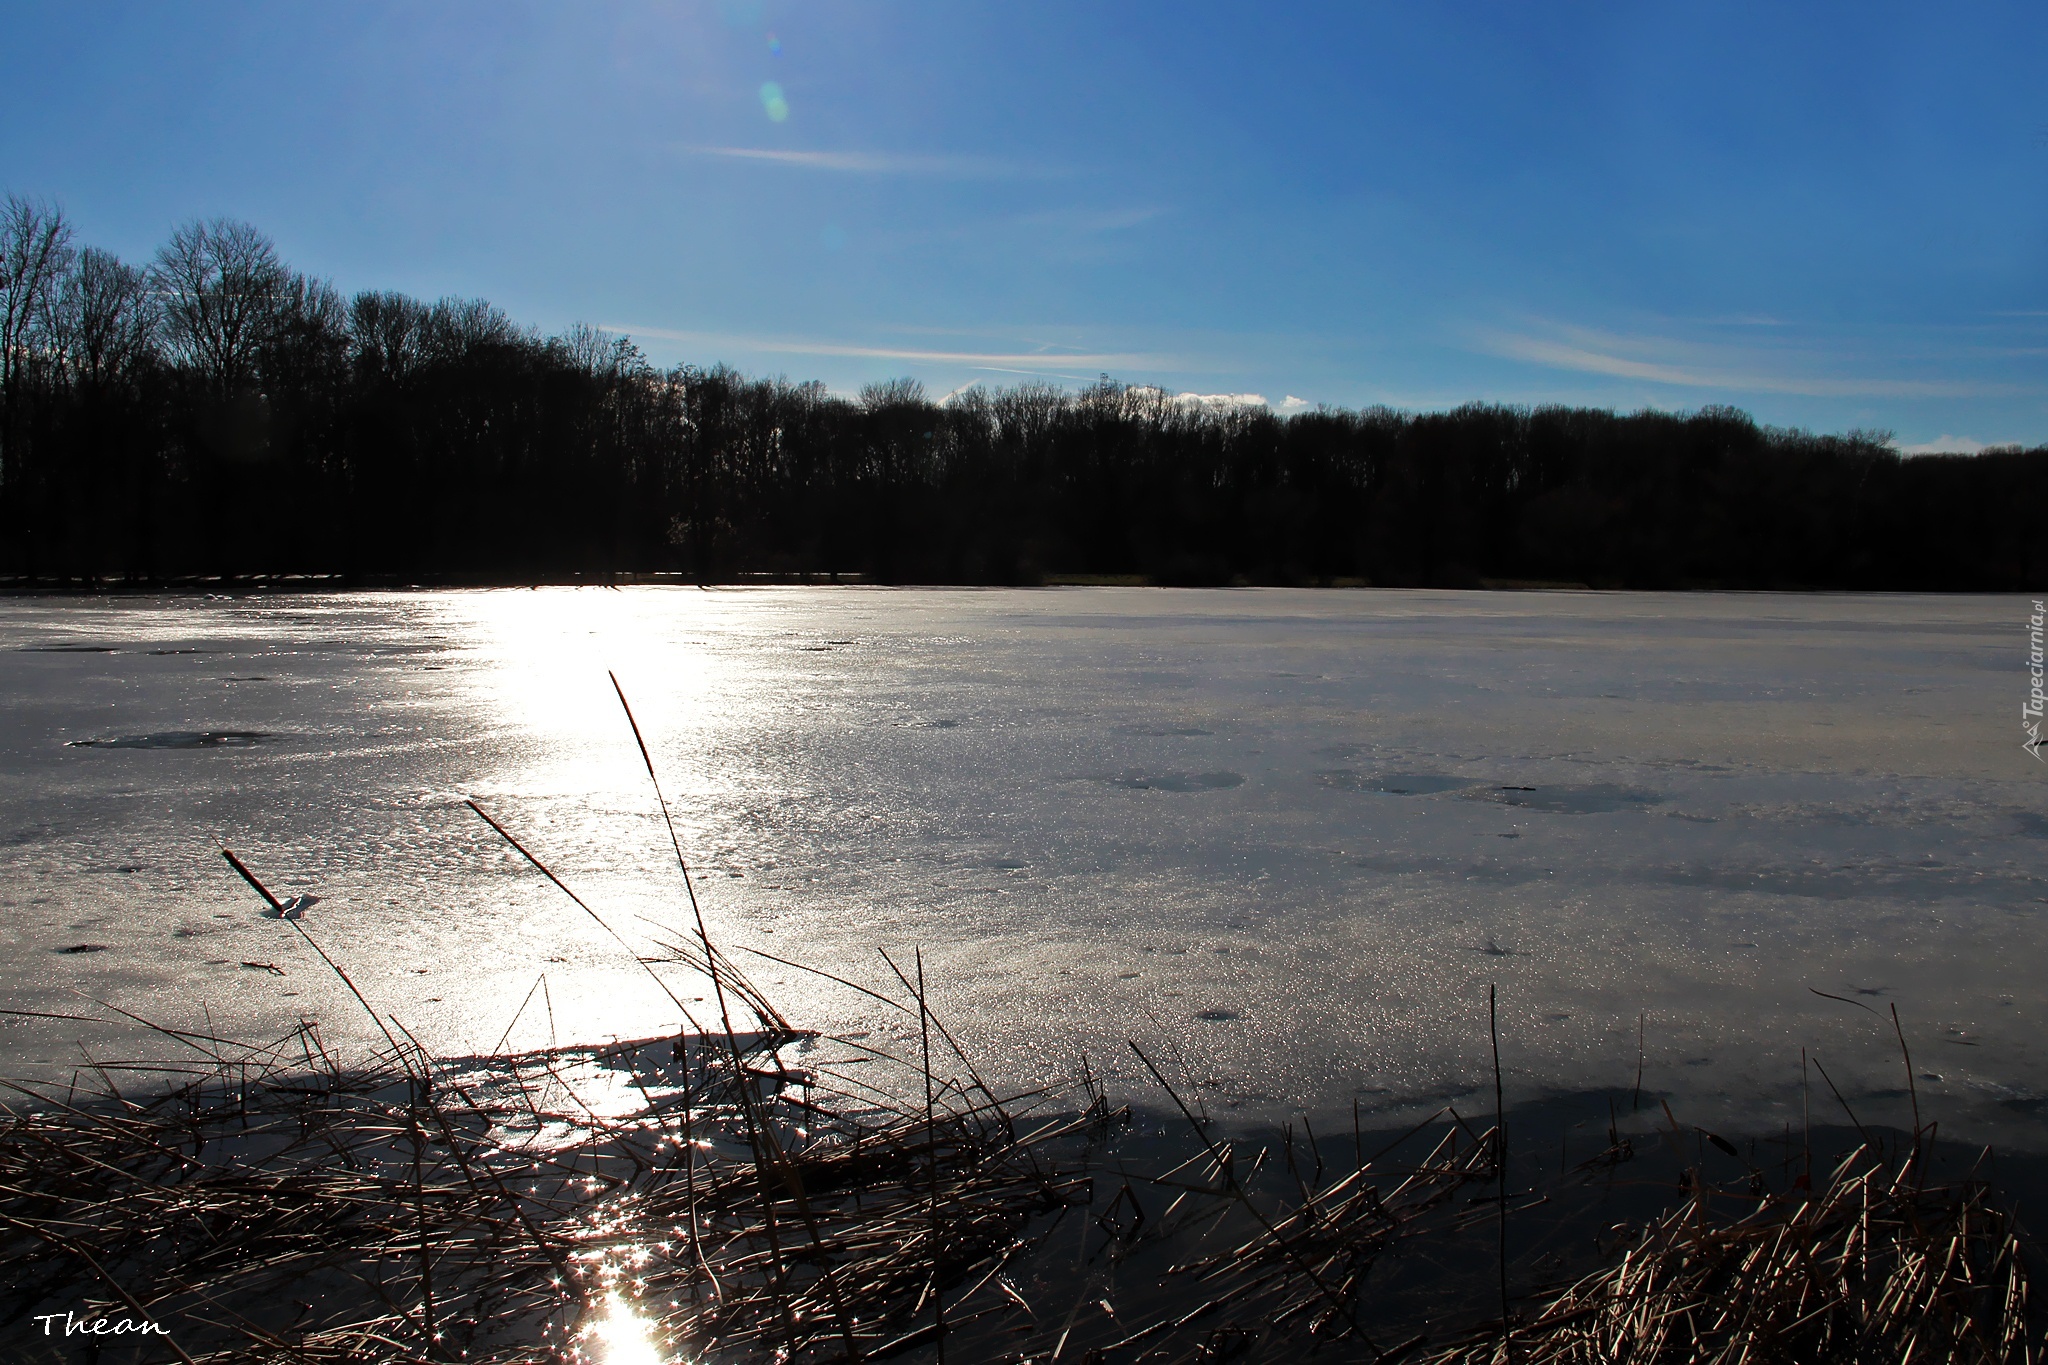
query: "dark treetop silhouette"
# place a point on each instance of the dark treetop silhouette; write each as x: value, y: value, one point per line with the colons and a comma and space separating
x: 215, y: 413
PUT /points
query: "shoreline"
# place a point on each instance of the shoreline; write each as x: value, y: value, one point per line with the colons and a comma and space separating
x: 508, y: 1203
x: 288, y: 585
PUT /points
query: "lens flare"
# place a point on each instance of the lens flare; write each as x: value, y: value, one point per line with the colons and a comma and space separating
x: 773, y: 102
x: 774, y: 46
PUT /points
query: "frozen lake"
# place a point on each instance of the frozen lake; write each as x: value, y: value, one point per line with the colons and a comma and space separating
x: 1289, y: 837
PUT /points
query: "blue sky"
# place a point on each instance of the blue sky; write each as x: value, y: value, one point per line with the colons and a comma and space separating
x: 1833, y: 215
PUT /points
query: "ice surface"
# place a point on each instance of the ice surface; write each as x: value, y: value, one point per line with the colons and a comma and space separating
x: 1288, y: 837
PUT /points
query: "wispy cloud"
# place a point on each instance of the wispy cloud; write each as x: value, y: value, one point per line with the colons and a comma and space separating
x: 1023, y: 362
x: 1034, y: 374
x: 1666, y: 360
x: 880, y: 163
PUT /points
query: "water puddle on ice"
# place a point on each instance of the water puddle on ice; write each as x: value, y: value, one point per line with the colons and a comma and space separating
x: 180, y: 739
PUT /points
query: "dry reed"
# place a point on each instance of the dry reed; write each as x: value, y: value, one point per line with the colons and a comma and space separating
x: 1873, y: 1266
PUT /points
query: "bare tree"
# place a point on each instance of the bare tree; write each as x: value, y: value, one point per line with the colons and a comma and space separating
x: 891, y: 393
x: 220, y: 285
x: 104, y: 320
x: 456, y: 329
x: 598, y: 353
x: 35, y: 251
x: 1026, y: 413
x: 307, y: 342
x: 389, y: 332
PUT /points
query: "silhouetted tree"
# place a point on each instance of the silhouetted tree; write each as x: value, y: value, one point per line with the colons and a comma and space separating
x: 35, y: 253
x: 221, y: 286
x: 105, y: 322
x: 221, y: 414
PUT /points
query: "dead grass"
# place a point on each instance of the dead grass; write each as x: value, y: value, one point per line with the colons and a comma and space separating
x: 1874, y: 1265
x: 810, y: 1201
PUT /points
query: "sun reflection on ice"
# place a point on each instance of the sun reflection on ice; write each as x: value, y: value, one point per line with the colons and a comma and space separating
x: 623, y: 1337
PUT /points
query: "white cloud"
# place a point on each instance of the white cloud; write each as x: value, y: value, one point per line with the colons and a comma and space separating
x: 1221, y: 402
x: 1292, y: 404
x: 1948, y: 445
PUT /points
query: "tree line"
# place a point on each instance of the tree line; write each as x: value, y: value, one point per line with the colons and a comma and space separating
x: 214, y: 413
